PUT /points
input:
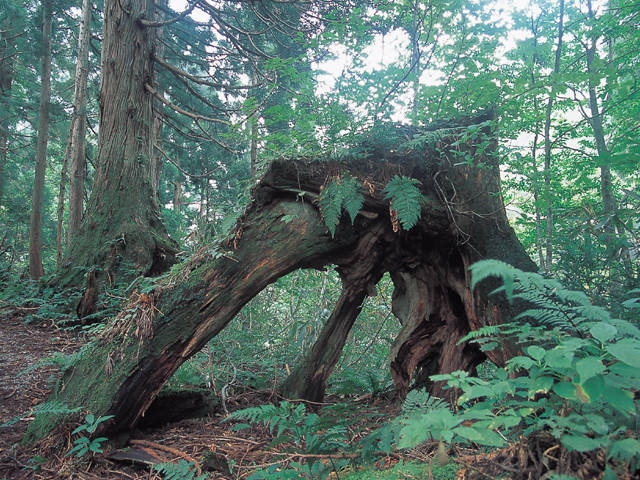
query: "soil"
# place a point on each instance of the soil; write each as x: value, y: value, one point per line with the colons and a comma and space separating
x: 208, y: 442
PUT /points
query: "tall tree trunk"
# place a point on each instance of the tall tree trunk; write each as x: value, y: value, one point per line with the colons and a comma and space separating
x: 534, y: 152
x: 612, y: 235
x: 64, y: 179
x: 547, y: 141
x: 7, y: 52
x: 609, y: 204
x: 122, y: 233
x: 78, y: 126
x: 177, y: 195
x: 283, y: 230
x: 37, y: 198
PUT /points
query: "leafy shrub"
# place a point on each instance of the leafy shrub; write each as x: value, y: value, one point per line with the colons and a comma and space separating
x: 307, y: 432
x: 85, y: 444
x: 577, y: 381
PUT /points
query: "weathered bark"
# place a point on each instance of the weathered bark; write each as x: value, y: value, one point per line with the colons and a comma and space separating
x: 37, y: 198
x: 7, y: 52
x: 78, y: 126
x: 463, y: 219
x: 548, y: 194
x: 122, y: 233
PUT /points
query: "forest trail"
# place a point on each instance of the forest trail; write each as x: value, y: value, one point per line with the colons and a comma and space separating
x: 22, y: 384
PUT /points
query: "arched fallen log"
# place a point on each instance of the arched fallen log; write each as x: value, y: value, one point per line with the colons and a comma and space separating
x: 462, y: 219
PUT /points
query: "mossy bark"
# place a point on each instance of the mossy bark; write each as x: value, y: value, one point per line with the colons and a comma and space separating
x: 171, y: 318
x: 122, y: 233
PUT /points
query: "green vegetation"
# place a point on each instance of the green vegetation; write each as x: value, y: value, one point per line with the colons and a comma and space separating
x: 83, y: 444
x: 249, y: 82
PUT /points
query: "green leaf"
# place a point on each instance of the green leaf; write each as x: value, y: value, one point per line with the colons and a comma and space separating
x: 597, y: 423
x: 624, y: 450
x: 594, y: 387
x: 480, y: 436
x: 589, y: 367
x: 580, y: 443
x: 626, y: 350
x: 539, y: 385
x: 621, y: 400
x: 566, y: 390
x: 603, y: 332
x: 520, y: 362
x: 536, y: 352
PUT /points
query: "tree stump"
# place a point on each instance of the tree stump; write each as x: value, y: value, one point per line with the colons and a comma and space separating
x: 462, y: 220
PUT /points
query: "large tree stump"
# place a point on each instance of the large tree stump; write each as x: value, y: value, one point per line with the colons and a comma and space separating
x: 463, y: 219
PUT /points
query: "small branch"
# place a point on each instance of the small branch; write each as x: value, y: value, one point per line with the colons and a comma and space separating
x: 177, y: 109
x: 151, y: 24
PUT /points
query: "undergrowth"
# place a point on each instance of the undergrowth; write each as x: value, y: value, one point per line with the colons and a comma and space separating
x: 575, y: 379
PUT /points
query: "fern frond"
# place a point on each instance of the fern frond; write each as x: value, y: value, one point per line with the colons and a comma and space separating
x: 487, y: 331
x: 341, y: 192
x: 330, y: 204
x: 47, y: 408
x: 573, y: 296
x: 546, y: 316
x: 494, y: 268
x: 590, y: 312
x: 406, y: 199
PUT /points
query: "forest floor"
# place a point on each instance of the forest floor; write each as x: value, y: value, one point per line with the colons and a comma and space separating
x: 208, y: 442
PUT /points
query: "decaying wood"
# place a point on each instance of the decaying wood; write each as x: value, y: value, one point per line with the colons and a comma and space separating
x: 463, y: 220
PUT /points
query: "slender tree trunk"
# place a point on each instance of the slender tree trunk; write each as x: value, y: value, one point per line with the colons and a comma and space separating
x: 4, y: 141
x: 547, y: 141
x: 78, y: 126
x: 609, y: 204
x: 177, y: 195
x: 64, y: 179
x: 6, y: 79
x: 37, y: 199
x: 122, y: 233
x: 615, y: 247
x: 534, y: 153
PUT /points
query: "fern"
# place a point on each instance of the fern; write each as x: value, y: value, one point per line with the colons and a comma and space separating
x: 47, y: 408
x: 307, y: 431
x: 494, y: 268
x: 423, y: 401
x: 406, y: 200
x: 182, y: 470
x: 340, y: 193
x: 272, y: 416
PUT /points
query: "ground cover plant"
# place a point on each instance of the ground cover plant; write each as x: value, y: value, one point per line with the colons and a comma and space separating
x: 570, y: 391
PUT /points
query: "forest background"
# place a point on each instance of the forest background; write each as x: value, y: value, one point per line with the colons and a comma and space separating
x: 238, y: 84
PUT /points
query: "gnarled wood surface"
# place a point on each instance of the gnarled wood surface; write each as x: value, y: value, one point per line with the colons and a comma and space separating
x: 463, y: 220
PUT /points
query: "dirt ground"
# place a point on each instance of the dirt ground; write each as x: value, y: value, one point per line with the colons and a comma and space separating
x: 210, y: 444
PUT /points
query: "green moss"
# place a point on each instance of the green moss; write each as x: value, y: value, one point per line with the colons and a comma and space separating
x: 83, y: 387
x: 408, y: 470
